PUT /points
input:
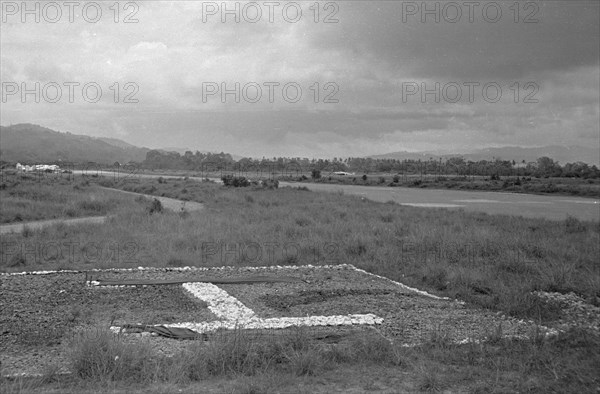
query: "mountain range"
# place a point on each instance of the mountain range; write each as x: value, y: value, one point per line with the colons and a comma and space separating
x: 562, y: 154
x: 29, y: 143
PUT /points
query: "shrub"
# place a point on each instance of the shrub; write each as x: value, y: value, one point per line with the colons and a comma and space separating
x: 106, y: 182
x: 574, y: 225
x: 364, y: 177
x: 95, y: 206
x: 235, y: 181
x: 155, y: 206
x: 270, y: 183
x: 396, y: 179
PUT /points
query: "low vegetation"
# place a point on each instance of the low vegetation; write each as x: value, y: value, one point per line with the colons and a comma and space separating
x: 491, y: 262
x: 513, y: 184
x: 30, y: 197
x: 297, y: 362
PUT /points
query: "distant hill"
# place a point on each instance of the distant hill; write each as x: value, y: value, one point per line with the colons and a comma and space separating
x: 29, y: 143
x: 562, y: 154
x: 404, y: 155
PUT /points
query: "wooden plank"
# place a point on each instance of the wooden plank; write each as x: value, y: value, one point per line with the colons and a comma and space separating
x: 244, y: 280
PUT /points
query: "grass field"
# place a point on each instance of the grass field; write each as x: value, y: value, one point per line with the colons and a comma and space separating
x: 491, y: 262
x: 512, y: 184
x: 26, y: 197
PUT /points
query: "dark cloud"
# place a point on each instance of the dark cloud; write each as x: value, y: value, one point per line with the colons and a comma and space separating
x: 566, y: 36
x: 369, y: 54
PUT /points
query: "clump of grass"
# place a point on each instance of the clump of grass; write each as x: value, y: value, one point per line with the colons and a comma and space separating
x: 103, y: 356
x: 574, y: 225
x: 92, y: 206
x: 100, y: 355
x: 430, y: 380
x: 155, y: 207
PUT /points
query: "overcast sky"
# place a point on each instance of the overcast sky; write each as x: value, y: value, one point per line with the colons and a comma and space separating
x: 374, y: 62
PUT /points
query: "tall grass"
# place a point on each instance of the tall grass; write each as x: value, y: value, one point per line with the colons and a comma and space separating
x: 246, y: 362
x: 106, y: 356
x: 28, y: 198
x: 489, y: 261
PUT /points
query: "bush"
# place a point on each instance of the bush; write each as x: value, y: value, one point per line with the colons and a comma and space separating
x: 364, y: 177
x: 396, y: 179
x: 315, y: 174
x: 235, y: 181
x: 106, y: 183
x: 155, y: 206
x: 574, y: 225
x: 270, y: 183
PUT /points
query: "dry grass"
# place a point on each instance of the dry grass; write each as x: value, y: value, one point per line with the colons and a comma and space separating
x: 26, y: 197
x: 513, y: 184
x: 489, y: 261
x: 245, y: 363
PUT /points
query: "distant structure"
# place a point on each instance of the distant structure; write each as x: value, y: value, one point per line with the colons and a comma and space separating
x: 343, y: 173
x: 38, y: 168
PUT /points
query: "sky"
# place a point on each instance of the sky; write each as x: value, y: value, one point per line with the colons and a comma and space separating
x: 315, y: 79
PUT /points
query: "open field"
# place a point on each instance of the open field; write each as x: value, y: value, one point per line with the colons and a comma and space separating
x: 561, y: 186
x: 539, y: 205
x: 494, y: 203
x: 512, y: 184
x: 28, y: 197
x: 493, y: 263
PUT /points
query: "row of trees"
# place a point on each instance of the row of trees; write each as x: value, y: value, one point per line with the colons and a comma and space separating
x: 222, y: 162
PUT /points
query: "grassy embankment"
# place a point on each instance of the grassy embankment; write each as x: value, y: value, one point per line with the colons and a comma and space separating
x: 488, y: 261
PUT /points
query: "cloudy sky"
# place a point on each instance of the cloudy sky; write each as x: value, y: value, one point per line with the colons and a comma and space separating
x: 354, y: 74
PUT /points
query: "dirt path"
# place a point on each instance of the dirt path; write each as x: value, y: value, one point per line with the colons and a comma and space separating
x: 167, y: 202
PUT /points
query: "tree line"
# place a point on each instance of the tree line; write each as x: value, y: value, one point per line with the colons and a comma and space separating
x: 454, y: 166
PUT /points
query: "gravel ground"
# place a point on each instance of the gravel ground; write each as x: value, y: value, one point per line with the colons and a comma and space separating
x: 575, y: 311
x: 39, y: 313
